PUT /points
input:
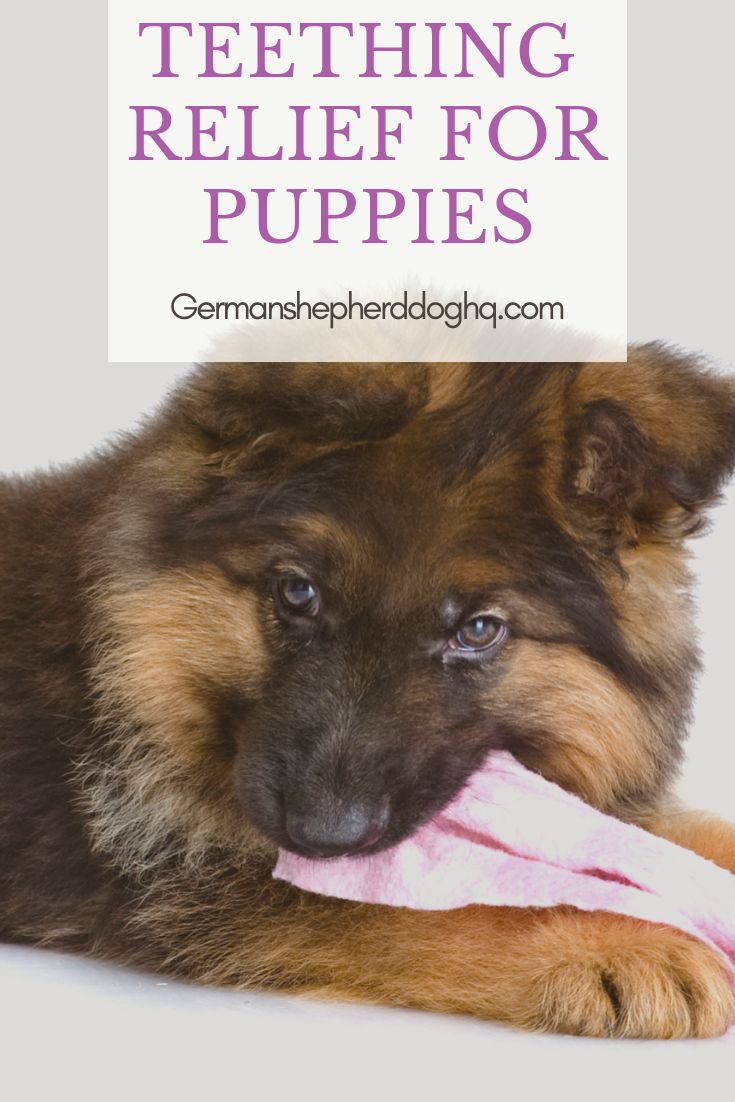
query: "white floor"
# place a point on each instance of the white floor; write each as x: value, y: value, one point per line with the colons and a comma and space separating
x: 73, y: 1029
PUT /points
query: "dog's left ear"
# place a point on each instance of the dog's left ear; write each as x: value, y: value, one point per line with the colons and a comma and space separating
x: 649, y: 446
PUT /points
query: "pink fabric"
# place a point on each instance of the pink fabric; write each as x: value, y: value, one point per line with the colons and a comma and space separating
x: 511, y: 838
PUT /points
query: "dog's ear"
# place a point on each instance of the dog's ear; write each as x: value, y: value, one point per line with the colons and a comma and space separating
x: 247, y: 409
x: 649, y: 445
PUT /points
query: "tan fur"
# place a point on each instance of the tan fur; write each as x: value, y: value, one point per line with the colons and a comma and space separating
x: 162, y: 649
x: 701, y: 831
x: 176, y: 636
x: 598, y: 726
x: 653, y: 601
x: 445, y: 385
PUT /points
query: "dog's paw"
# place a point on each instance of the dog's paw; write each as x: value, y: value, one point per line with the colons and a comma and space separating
x: 620, y: 978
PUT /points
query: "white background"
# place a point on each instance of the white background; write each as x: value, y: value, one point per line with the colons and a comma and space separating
x: 73, y: 1029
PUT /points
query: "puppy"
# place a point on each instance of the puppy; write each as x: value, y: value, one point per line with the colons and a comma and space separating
x: 297, y: 608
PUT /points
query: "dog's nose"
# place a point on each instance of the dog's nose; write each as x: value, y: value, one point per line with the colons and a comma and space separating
x: 337, y: 833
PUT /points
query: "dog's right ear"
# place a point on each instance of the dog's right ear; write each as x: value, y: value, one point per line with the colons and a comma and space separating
x: 242, y: 408
x: 650, y: 444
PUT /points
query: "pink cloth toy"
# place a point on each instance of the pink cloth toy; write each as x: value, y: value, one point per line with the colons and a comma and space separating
x: 511, y: 838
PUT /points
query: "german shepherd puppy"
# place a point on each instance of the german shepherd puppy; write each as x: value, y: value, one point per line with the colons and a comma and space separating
x: 297, y: 609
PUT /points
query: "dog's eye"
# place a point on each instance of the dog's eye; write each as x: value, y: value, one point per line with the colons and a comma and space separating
x: 298, y: 596
x: 480, y: 633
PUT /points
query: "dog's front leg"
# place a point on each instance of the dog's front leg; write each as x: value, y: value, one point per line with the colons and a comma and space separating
x: 700, y: 831
x: 558, y: 970
x: 555, y: 970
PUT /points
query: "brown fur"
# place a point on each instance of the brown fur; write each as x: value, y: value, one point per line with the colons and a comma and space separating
x: 161, y: 712
x: 603, y: 733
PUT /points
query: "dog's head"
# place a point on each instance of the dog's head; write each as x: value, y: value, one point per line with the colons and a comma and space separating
x: 336, y: 587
